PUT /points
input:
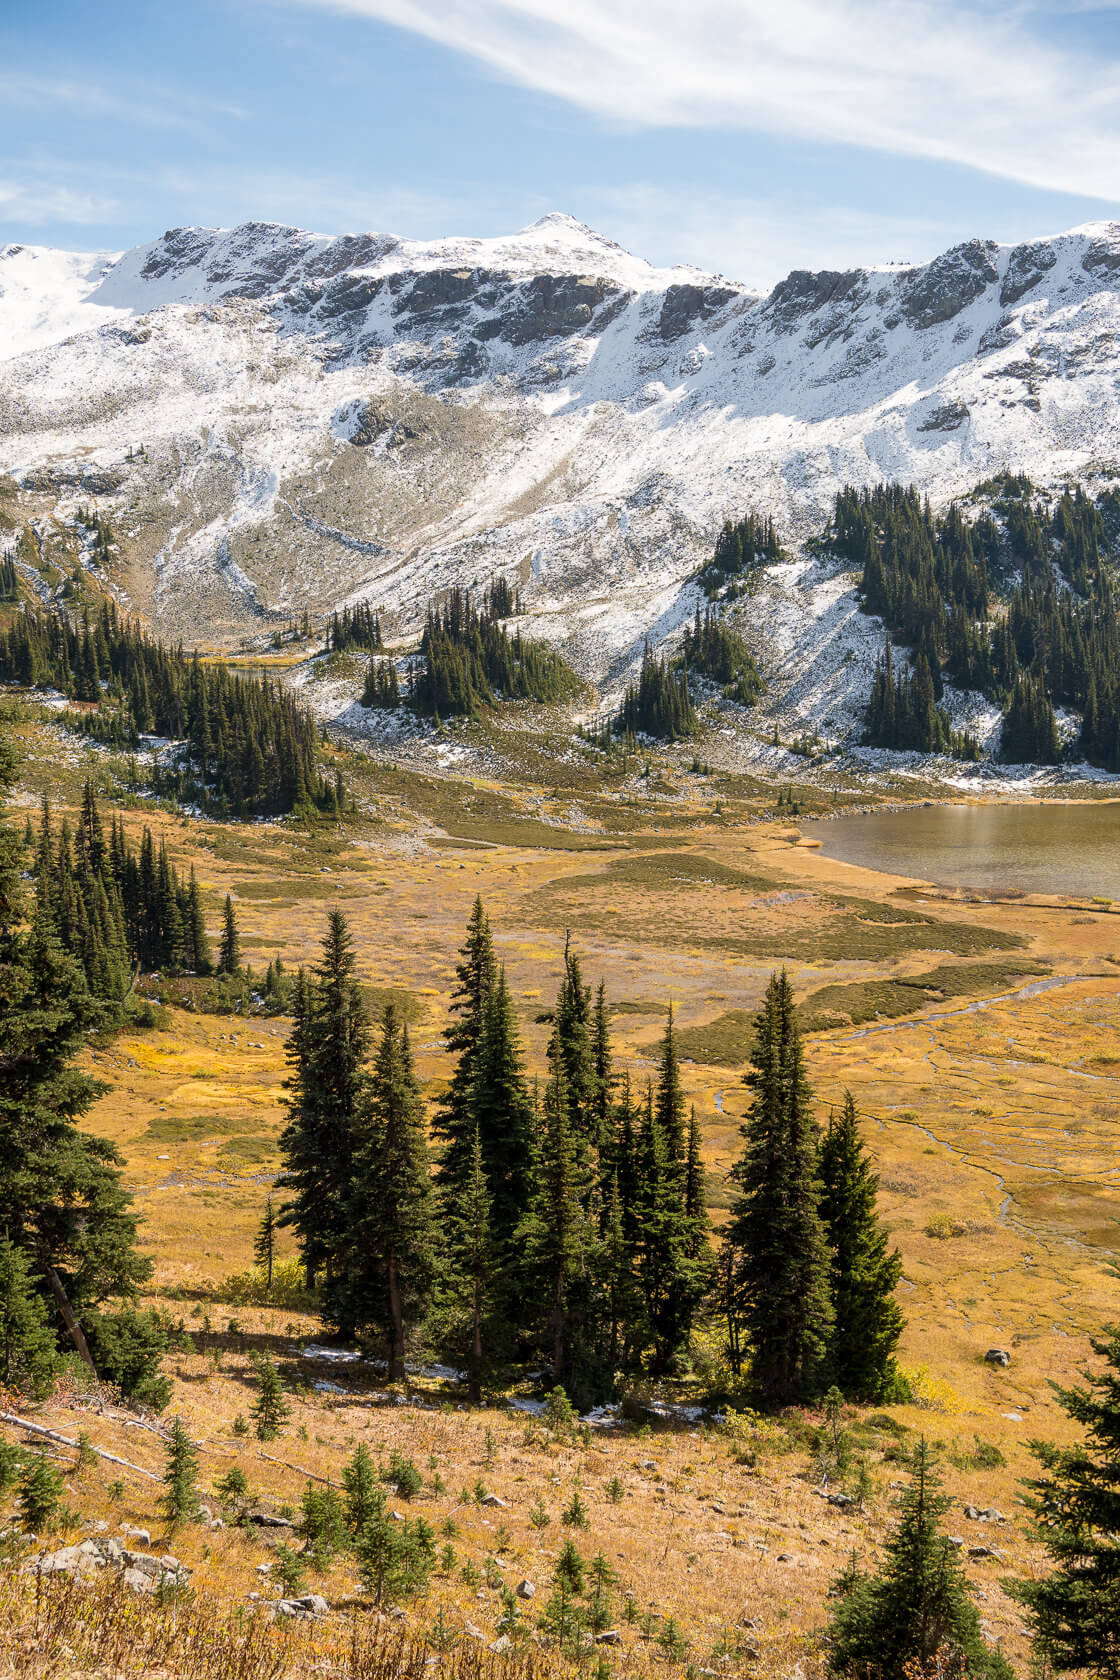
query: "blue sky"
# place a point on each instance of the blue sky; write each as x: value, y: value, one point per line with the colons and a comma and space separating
x: 746, y: 136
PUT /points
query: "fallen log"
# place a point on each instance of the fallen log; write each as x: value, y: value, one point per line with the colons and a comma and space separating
x: 67, y: 1441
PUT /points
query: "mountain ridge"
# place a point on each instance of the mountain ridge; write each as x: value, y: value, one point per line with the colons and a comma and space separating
x: 331, y: 419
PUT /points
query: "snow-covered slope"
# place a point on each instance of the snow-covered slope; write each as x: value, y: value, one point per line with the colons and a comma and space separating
x: 332, y: 418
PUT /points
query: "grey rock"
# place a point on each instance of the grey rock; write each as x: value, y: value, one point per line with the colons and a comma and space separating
x: 140, y: 1535
x: 265, y: 1519
x: 801, y: 293
x: 315, y: 1603
x: 609, y: 1636
x: 997, y: 1356
x: 287, y: 1607
x: 501, y: 1645
x: 473, y: 1632
x: 138, y: 1580
x: 1026, y: 266
x: 978, y: 1552
x: 950, y: 283
x: 840, y: 1499
x: 1102, y: 259
x: 947, y: 418
x: 170, y: 1564
x: 499, y: 1504
x: 683, y: 306
x: 526, y: 1590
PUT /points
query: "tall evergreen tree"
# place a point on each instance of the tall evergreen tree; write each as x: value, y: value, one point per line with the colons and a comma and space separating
x: 454, y: 1120
x: 779, y: 1253
x: 61, y: 1197
x: 471, y: 1254
x: 557, y: 1236
x: 264, y: 1244
x: 1075, y: 1609
x: 392, y: 1203
x: 865, y: 1271
x: 917, y: 1608
x: 180, y: 1475
x: 229, y: 950
x: 499, y: 1101
x: 328, y: 1112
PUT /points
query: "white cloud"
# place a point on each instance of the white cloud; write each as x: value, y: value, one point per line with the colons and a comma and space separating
x: 969, y: 86
x: 40, y: 202
x: 159, y: 107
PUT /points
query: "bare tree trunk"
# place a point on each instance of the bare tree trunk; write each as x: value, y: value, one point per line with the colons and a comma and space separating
x: 77, y: 1334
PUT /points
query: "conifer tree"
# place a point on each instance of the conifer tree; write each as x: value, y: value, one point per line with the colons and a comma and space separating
x: 558, y: 1237
x: 499, y: 1101
x: 779, y: 1254
x: 328, y: 1111
x: 40, y: 1490
x: 270, y: 1410
x: 471, y: 1255
x: 196, y: 938
x: 27, y: 1345
x: 264, y: 1244
x: 359, y: 1484
x: 670, y: 1099
x: 180, y: 1475
x: 571, y: 1045
x: 392, y: 1204
x: 229, y: 949
x: 1075, y: 1609
x: 865, y: 1272
x: 917, y: 1608
x: 454, y: 1120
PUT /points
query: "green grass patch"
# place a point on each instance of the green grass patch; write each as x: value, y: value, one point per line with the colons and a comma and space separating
x: 870, y: 1000
x: 725, y: 1042
x: 250, y: 1151
x: 377, y: 999
x: 191, y: 1128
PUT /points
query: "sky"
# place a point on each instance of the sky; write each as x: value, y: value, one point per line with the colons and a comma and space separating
x: 748, y: 137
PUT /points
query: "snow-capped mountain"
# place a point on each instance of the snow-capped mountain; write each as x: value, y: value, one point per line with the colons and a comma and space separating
x: 327, y: 419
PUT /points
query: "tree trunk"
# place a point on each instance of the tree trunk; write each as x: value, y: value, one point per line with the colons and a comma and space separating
x: 396, y: 1324
x: 77, y: 1334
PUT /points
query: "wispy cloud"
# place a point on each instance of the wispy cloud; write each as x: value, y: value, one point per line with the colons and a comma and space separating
x: 964, y: 84
x: 156, y: 106
x: 41, y: 202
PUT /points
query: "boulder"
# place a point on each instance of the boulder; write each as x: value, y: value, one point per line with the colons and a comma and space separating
x: 314, y: 1603
x: 499, y: 1504
x: 139, y: 1581
x: 265, y: 1519
x: 997, y: 1356
x: 609, y: 1636
x: 526, y: 1590
x: 501, y: 1645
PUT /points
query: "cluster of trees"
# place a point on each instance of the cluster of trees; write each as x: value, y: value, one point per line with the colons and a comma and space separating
x: 933, y: 577
x: 807, y: 1274
x: 468, y: 659
x: 250, y: 750
x: 68, y: 1225
x: 741, y: 547
x: 903, y: 712
x: 567, y: 1222
x: 355, y: 627
x: 9, y: 579
x: 101, y: 533
x: 713, y: 649
x: 659, y: 702
x: 382, y: 687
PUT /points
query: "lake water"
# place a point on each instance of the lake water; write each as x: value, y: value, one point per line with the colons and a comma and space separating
x: 1033, y: 848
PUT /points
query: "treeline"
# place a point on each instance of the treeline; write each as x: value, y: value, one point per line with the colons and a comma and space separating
x: 249, y: 749
x: 469, y: 660
x: 354, y: 627
x: 741, y: 548
x: 567, y: 1224
x: 933, y: 577
x: 115, y: 907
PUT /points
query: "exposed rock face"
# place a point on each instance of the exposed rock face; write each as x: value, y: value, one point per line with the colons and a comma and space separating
x: 684, y: 306
x: 1026, y: 266
x: 947, y: 285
